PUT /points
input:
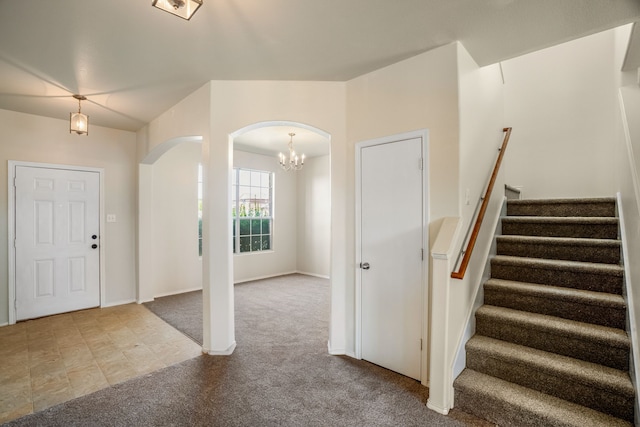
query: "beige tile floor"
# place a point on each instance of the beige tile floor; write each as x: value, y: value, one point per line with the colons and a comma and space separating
x: 47, y: 361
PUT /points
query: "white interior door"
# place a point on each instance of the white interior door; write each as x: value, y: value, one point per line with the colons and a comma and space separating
x: 391, y: 239
x: 57, y: 229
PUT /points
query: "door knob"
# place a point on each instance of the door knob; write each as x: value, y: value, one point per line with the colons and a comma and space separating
x: 94, y: 246
x: 364, y: 266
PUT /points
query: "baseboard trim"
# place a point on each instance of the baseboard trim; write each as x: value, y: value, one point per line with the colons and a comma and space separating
x: 182, y: 291
x: 115, y: 303
x: 321, y: 276
x: 443, y: 411
x: 269, y: 276
x: 335, y: 351
x: 226, y: 352
x: 4, y: 324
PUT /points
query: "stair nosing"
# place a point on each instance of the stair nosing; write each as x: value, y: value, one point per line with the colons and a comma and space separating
x: 559, y: 326
x: 576, y: 370
x: 567, y: 265
x: 607, y: 220
x: 579, y: 241
x: 582, y: 296
x: 510, y: 393
x: 586, y: 200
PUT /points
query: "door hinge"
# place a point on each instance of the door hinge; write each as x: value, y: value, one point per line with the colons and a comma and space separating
x: 420, y: 343
x: 422, y: 254
x: 421, y: 163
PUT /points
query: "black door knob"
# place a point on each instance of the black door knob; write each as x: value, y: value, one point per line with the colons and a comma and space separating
x: 94, y: 246
x: 94, y: 237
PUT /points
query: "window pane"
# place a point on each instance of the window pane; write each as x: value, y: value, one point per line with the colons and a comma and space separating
x: 245, y: 227
x: 255, y: 178
x: 255, y: 226
x: 266, y: 243
x: 256, y: 243
x: 234, y: 228
x: 245, y: 177
x: 200, y: 247
x: 266, y: 180
x: 245, y: 244
x: 266, y: 226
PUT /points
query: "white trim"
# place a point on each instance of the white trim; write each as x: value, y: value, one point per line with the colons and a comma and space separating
x: 423, y: 134
x: 121, y: 302
x: 182, y: 291
x: 335, y: 351
x: 268, y: 276
x: 633, y: 330
x: 627, y: 138
x: 4, y: 324
x: 321, y: 276
x: 443, y: 411
x: 11, y: 201
x: 226, y: 352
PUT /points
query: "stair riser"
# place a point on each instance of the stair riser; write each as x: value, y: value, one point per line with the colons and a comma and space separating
x: 588, y: 231
x: 569, y: 279
x: 499, y: 412
x: 600, y: 254
x: 599, y: 315
x: 562, y: 209
x: 562, y: 387
x: 575, y: 347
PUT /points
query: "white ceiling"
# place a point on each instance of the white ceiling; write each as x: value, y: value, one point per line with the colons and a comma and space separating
x: 134, y: 62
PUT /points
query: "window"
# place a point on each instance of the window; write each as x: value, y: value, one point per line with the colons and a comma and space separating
x: 252, y: 210
x: 200, y: 209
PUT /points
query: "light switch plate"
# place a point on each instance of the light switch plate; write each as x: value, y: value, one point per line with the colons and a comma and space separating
x: 111, y: 217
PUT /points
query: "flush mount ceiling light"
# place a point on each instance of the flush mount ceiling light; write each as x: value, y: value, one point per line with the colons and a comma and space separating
x: 182, y: 8
x: 78, y: 122
x: 294, y: 162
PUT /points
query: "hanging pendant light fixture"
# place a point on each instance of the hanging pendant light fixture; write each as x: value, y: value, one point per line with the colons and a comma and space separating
x: 78, y: 122
x: 294, y: 162
x: 182, y: 8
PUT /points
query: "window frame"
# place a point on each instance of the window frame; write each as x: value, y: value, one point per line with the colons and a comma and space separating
x: 238, y: 231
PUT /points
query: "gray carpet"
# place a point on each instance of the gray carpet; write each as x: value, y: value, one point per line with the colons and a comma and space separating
x: 279, y: 375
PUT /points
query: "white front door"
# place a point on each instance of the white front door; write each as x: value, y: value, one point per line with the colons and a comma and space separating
x: 57, y: 229
x: 391, y: 237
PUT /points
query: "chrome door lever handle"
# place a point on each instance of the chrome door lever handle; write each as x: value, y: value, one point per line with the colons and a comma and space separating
x: 364, y: 265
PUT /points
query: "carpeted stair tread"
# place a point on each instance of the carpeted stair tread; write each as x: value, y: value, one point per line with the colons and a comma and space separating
x: 593, y: 343
x: 505, y: 403
x: 598, y: 277
x: 563, y: 207
x: 587, y: 373
x: 574, y: 304
x: 564, y: 248
x: 569, y: 328
x: 549, y: 226
x: 592, y: 385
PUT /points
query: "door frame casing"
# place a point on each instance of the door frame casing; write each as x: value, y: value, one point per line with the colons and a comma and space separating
x: 423, y: 134
x: 11, y: 225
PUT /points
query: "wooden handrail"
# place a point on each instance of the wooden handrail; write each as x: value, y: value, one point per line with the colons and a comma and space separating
x: 485, y: 203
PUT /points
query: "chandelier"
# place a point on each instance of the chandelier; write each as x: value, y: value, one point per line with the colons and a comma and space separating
x: 293, y: 163
x: 78, y: 122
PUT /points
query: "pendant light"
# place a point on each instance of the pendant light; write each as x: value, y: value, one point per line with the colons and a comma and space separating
x: 78, y: 122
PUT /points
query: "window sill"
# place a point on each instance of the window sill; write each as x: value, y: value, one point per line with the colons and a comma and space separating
x: 254, y: 253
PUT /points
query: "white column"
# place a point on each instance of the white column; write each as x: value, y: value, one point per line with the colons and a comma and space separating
x: 145, y: 233
x: 440, y: 361
x: 217, y: 259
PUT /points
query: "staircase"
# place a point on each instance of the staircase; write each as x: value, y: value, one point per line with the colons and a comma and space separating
x: 550, y: 347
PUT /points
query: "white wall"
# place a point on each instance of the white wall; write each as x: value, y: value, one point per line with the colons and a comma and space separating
x: 561, y: 105
x: 314, y: 217
x: 282, y: 258
x: 417, y: 93
x: 30, y: 138
x: 481, y: 134
x: 177, y: 264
